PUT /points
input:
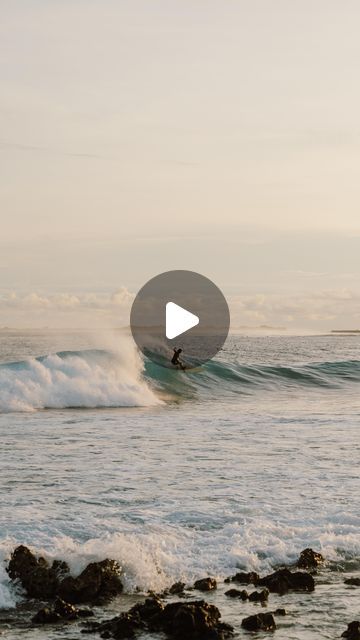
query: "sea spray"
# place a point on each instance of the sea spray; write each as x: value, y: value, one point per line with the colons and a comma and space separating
x: 155, y: 556
x: 83, y: 379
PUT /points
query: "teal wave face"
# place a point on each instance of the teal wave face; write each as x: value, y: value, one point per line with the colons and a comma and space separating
x: 246, y: 379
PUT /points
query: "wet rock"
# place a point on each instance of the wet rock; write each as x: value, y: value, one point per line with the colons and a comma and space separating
x: 244, y: 578
x: 148, y: 610
x: 236, y: 593
x: 193, y: 620
x: 126, y: 625
x: 355, y: 582
x: 283, y: 580
x: 259, y: 596
x: 98, y: 583
x: 61, y: 569
x: 38, y: 578
x: 279, y: 612
x: 353, y: 631
x: 206, y: 584
x: 176, y: 588
x: 46, y: 615
x: 65, y: 609
x: 259, y: 622
x: 179, y: 620
x: 59, y: 612
x: 309, y: 559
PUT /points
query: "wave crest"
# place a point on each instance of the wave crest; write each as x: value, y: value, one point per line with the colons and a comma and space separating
x: 85, y: 379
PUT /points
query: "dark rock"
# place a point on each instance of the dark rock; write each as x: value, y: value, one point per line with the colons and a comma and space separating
x: 38, y: 578
x: 65, y: 609
x: 279, y: 612
x: 193, y: 620
x: 147, y: 610
x: 98, y: 583
x: 46, y: 616
x: 126, y: 625
x: 353, y: 631
x: 283, y: 580
x: 206, y: 584
x: 176, y: 588
x: 179, y: 620
x: 244, y: 578
x: 260, y: 622
x: 259, y: 596
x: 60, y: 568
x: 309, y: 559
x: 85, y: 613
x: 69, y: 612
x: 59, y: 612
x: 355, y: 582
x: 235, y: 593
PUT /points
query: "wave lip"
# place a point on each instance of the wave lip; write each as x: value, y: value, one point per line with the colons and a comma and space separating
x: 84, y: 379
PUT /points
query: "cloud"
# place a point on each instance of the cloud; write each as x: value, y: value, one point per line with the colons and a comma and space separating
x: 66, y: 301
x: 65, y: 309
x: 321, y: 310
x: 122, y: 296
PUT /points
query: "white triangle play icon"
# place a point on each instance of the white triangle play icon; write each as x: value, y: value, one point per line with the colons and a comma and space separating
x: 178, y: 320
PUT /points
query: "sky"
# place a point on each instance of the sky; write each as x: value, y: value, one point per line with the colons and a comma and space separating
x: 138, y: 137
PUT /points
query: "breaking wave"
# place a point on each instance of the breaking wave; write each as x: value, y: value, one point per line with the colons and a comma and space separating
x: 96, y: 378
x: 84, y: 379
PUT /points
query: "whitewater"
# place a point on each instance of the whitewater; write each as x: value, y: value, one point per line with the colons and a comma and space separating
x: 177, y: 475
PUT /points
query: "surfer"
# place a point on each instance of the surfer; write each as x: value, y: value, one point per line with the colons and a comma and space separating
x: 175, y: 359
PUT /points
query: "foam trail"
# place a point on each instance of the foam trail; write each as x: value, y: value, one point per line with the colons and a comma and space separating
x: 85, y: 379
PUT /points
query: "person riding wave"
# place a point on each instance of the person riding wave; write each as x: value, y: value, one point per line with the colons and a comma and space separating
x: 175, y: 359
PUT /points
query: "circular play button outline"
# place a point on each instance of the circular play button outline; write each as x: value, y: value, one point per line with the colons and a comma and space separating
x: 180, y: 309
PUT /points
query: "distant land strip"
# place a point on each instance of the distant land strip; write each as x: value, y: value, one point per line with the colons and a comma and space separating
x: 345, y: 330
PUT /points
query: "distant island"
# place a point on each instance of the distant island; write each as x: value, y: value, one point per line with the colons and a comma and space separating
x: 345, y: 330
x: 259, y: 327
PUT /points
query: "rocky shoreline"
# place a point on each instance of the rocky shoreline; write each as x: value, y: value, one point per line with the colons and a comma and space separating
x: 54, y: 594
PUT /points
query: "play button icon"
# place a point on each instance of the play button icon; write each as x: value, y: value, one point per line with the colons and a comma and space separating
x: 180, y: 310
x: 178, y: 320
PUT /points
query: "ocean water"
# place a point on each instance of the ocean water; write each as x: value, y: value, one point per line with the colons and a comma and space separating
x: 179, y: 475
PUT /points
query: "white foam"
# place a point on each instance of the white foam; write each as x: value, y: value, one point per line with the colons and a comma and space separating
x: 8, y: 593
x: 152, y: 557
x: 76, y: 380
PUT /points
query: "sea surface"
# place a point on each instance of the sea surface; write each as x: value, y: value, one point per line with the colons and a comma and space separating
x: 178, y: 475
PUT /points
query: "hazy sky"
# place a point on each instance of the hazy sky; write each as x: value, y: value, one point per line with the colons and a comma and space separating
x: 138, y: 136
